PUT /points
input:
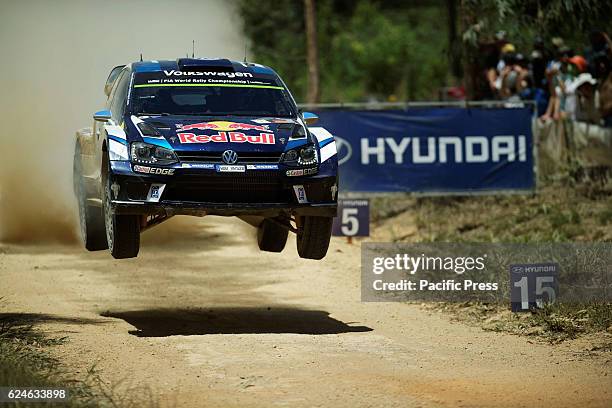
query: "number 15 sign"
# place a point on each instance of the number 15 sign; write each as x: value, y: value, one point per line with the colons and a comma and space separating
x: 353, y: 219
x: 533, y: 285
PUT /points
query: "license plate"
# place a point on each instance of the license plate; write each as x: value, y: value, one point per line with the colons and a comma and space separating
x: 223, y: 168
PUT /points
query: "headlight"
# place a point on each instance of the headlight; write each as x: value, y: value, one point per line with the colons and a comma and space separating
x: 151, y: 154
x: 302, y: 156
x: 291, y: 156
x: 308, y: 155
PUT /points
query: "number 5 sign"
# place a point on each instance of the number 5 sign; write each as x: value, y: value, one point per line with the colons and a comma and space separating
x: 533, y: 285
x: 353, y: 219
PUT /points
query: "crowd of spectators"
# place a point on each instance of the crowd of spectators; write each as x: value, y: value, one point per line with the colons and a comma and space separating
x: 563, y: 83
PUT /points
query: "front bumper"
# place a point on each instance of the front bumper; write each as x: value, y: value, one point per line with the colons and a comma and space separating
x: 170, y: 208
x: 196, y: 192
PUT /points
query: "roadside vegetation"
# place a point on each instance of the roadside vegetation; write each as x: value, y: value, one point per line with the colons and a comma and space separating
x: 553, y: 323
x: 559, y: 212
x: 26, y: 362
x: 563, y: 210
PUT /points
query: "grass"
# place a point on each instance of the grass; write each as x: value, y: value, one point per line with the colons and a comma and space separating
x: 605, y: 216
x: 25, y: 362
x: 553, y: 323
x: 21, y: 362
x: 561, y: 211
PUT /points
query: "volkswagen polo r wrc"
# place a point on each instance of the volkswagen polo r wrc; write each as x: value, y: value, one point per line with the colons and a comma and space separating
x: 204, y: 137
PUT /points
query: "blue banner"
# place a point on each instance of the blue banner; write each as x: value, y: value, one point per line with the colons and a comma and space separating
x: 433, y: 150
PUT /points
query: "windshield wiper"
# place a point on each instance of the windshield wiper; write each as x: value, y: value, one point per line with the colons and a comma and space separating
x: 153, y: 114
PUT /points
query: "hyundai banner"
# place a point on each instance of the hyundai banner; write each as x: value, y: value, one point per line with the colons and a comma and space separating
x: 433, y: 150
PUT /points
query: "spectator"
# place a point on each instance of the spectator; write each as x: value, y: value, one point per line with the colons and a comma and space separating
x: 583, y: 87
x: 555, y: 77
x: 492, y: 57
x: 539, y: 57
x: 513, y: 76
x: 598, y: 54
x: 495, y: 76
x: 600, y: 61
x: 562, y: 83
x: 605, y: 101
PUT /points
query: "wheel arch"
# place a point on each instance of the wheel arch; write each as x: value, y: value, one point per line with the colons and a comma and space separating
x: 105, y: 162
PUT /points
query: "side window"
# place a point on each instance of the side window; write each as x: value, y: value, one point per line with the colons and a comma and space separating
x: 119, y: 96
x: 113, y: 91
x: 111, y: 79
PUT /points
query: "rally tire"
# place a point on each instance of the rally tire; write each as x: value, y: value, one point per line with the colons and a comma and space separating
x: 91, y: 221
x: 122, y: 231
x: 271, y: 237
x: 313, y: 237
x: 91, y: 218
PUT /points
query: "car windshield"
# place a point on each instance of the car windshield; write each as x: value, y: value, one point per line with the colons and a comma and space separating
x: 157, y: 94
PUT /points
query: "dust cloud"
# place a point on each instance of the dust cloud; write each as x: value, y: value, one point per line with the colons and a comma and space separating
x: 55, y: 59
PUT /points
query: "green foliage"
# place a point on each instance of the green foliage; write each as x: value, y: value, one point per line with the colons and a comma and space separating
x: 605, y: 217
x: 387, y: 50
x: 524, y: 19
x: 276, y: 30
x: 369, y: 51
x: 378, y: 55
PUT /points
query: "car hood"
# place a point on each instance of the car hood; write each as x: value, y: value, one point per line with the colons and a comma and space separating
x: 208, y: 133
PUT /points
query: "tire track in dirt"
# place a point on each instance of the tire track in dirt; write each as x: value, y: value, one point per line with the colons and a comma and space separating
x: 202, y: 318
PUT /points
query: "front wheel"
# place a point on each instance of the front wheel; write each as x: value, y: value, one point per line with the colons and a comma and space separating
x: 122, y: 231
x: 313, y: 237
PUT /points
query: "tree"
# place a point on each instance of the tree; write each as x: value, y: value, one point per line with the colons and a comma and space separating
x: 312, y: 56
x: 454, y: 42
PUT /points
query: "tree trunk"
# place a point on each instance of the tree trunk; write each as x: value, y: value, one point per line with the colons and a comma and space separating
x: 454, y: 42
x: 312, y: 56
x: 469, y: 51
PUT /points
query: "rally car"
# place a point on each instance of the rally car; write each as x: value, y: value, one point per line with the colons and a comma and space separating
x: 204, y: 137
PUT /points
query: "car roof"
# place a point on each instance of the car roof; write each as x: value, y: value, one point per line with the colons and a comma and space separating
x: 201, y: 63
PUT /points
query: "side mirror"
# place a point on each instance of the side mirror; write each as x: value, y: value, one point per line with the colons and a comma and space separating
x: 102, y: 116
x: 310, y: 118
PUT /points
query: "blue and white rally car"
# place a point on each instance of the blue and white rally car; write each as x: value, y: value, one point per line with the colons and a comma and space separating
x: 204, y: 137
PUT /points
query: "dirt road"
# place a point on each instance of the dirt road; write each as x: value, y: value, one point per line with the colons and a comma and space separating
x: 202, y: 318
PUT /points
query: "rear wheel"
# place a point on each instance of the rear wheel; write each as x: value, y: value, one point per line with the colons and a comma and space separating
x: 91, y: 221
x: 91, y: 218
x: 313, y: 237
x: 122, y: 231
x: 271, y: 237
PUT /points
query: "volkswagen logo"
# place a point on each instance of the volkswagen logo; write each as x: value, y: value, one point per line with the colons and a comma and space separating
x: 229, y: 157
x: 345, y: 151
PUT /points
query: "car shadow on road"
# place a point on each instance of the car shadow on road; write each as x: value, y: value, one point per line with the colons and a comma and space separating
x: 32, y: 319
x: 239, y: 320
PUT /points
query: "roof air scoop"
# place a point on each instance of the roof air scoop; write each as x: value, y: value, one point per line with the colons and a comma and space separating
x: 205, y: 64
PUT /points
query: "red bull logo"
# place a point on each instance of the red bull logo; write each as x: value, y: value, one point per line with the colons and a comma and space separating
x: 224, y: 137
x: 224, y: 126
